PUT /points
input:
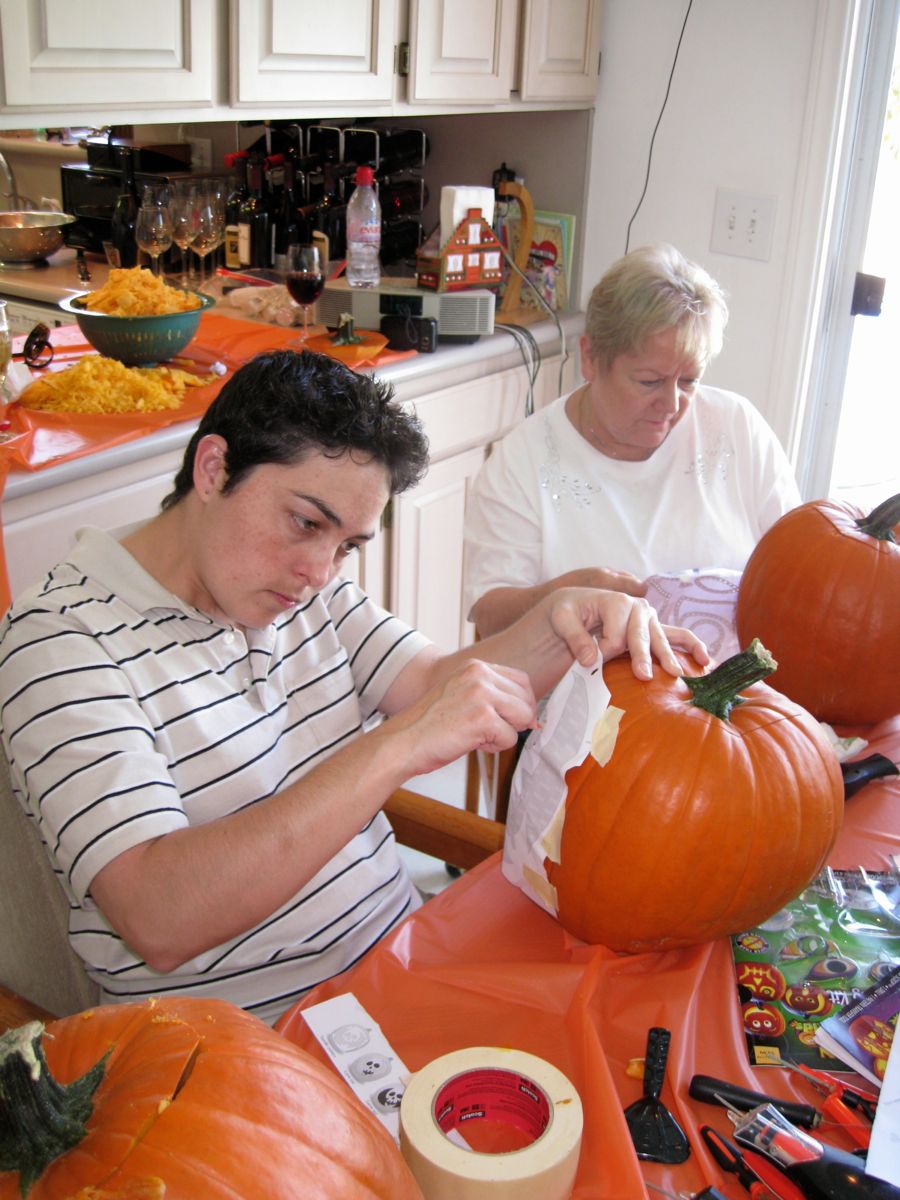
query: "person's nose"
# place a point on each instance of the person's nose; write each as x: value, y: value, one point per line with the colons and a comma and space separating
x: 669, y: 399
x: 317, y: 566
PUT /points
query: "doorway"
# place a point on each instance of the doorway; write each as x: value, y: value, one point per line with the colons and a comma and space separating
x: 851, y: 442
x: 866, y: 467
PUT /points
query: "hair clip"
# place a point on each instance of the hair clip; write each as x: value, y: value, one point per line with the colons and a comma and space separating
x: 37, y: 351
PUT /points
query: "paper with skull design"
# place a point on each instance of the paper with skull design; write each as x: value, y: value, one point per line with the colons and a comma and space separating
x: 577, y: 720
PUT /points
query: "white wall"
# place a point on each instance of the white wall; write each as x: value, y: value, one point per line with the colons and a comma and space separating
x: 752, y: 108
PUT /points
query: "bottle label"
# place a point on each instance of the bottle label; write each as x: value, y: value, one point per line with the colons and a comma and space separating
x: 232, y: 247
x: 244, y: 255
x: 370, y: 233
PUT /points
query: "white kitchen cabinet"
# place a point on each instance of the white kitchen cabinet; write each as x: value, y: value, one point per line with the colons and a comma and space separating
x: 40, y: 526
x: 426, y: 550
x: 107, y: 55
x: 310, y: 52
x: 462, y: 50
x: 483, y: 51
x: 560, y: 50
x: 124, y: 61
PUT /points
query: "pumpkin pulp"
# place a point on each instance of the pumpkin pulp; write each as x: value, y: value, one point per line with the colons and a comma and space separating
x: 40, y: 1119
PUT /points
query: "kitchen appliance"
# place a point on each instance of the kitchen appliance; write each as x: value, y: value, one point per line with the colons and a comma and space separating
x: 90, y: 193
x: 461, y: 316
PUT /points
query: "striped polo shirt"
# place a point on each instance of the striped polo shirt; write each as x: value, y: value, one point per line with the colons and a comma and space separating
x: 126, y: 714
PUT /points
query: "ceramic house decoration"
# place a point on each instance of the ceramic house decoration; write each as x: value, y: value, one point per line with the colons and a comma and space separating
x: 469, y: 257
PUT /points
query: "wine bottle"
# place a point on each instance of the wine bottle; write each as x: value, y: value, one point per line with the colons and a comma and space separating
x: 124, y: 245
x: 236, y: 162
x: 330, y: 215
x: 286, y: 219
x: 253, y: 220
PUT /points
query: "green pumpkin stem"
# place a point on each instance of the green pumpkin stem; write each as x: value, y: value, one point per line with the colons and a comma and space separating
x: 881, y: 520
x: 40, y: 1119
x: 717, y: 692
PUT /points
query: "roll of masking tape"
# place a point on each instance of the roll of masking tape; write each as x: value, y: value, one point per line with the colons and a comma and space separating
x: 491, y: 1124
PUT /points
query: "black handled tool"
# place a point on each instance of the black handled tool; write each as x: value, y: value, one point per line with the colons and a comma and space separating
x: 718, y: 1091
x: 656, y: 1134
x: 857, y: 774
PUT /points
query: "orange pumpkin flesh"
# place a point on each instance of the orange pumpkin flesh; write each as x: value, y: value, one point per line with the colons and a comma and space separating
x: 697, y: 827
x: 210, y: 1101
x: 822, y: 591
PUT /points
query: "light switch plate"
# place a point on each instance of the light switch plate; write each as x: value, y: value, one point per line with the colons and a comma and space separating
x: 743, y: 224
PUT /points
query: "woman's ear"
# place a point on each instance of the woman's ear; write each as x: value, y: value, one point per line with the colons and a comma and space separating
x: 209, y: 465
x: 588, y: 361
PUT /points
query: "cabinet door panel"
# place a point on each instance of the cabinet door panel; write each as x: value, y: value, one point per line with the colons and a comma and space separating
x: 310, y: 51
x: 560, y: 49
x: 462, y: 50
x: 427, y: 551
x: 108, y: 53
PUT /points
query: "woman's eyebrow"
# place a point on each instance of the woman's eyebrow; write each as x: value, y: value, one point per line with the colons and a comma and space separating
x: 327, y: 512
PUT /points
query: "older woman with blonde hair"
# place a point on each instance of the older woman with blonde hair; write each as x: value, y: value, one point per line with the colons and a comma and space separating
x: 641, y: 470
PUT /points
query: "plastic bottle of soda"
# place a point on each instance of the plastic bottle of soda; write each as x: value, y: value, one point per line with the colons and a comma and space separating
x: 363, y: 232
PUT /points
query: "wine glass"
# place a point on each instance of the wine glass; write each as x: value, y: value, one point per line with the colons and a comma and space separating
x: 153, y: 229
x: 305, y: 281
x: 209, y: 224
x: 183, y: 204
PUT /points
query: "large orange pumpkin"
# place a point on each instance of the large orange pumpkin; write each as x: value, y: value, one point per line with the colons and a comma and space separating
x: 701, y: 823
x: 197, y: 1099
x: 822, y: 591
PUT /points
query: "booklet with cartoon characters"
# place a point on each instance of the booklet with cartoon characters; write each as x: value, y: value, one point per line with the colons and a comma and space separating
x: 815, y: 958
x: 861, y: 1035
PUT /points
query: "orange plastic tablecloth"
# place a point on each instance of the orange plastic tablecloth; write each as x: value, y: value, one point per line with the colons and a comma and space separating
x: 33, y: 440
x: 481, y: 965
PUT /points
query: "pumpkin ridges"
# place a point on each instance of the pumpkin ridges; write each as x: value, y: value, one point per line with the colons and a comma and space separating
x: 268, y: 1081
x: 599, y: 880
x: 834, y: 624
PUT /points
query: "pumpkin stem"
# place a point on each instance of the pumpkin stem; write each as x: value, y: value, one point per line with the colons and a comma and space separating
x: 39, y: 1118
x: 717, y: 692
x: 881, y: 520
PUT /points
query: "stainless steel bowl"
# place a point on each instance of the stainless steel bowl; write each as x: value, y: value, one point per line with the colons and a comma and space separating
x: 28, y: 237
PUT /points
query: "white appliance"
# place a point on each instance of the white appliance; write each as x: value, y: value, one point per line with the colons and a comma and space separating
x: 23, y: 315
x: 461, y: 316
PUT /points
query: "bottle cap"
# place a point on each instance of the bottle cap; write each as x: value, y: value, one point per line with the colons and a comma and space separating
x: 365, y: 176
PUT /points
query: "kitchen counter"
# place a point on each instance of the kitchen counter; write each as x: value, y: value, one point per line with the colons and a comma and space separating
x: 413, y: 379
x: 54, y: 280
x: 466, y: 395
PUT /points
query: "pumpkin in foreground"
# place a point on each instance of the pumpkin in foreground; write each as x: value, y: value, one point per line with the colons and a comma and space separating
x: 714, y: 810
x: 822, y: 591
x: 194, y: 1098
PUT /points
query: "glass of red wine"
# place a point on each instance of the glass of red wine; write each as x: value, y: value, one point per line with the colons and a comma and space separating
x: 305, y: 280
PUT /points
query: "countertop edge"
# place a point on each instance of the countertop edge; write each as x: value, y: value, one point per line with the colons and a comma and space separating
x: 411, y: 378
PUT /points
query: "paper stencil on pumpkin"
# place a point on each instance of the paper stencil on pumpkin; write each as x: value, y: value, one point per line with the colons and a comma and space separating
x: 578, y: 720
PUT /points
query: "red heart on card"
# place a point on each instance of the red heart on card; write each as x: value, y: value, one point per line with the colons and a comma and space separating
x: 544, y: 252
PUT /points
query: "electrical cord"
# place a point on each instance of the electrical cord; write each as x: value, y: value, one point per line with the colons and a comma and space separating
x: 564, y: 353
x: 656, y: 126
x: 531, y: 358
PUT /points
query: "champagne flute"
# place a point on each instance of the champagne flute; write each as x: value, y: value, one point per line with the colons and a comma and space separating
x: 305, y: 281
x: 184, y: 202
x: 153, y: 230
x: 209, y: 225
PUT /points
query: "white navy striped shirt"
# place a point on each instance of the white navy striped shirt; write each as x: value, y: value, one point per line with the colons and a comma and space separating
x: 126, y: 714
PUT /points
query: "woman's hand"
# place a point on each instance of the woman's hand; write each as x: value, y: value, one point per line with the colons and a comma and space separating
x: 480, y: 706
x: 596, y: 623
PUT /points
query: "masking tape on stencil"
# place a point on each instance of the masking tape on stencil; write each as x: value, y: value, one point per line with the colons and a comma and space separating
x: 446, y: 1101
